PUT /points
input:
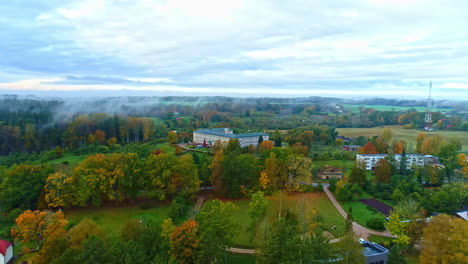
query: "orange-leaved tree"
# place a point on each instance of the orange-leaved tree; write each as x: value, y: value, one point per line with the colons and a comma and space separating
x: 37, y: 226
x: 184, y: 242
x: 368, y: 149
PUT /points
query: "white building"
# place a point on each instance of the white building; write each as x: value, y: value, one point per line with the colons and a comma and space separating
x: 210, y: 135
x: 411, y: 159
x: 6, y: 251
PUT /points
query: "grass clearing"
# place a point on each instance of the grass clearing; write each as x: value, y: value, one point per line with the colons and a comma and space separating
x: 241, y: 259
x: 111, y: 218
x: 327, y: 214
x: 409, y: 135
x: 70, y: 158
x: 361, y: 212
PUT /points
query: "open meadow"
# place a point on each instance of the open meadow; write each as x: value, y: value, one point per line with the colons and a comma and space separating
x: 112, y: 217
x: 409, y: 135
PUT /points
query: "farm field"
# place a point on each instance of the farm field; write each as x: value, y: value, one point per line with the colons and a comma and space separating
x: 328, y: 216
x: 409, y: 135
x: 111, y: 218
x: 394, y: 108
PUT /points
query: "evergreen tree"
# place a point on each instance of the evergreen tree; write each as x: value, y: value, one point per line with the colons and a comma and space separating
x: 278, y: 142
x: 260, y: 140
x: 403, y: 169
x: 349, y: 220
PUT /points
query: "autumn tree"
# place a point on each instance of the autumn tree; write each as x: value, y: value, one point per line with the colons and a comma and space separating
x: 217, y: 171
x: 299, y: 171
x: 37, y: 226
x: 186, y: 176
x: 419, y: 141
x: 307, y: 138
x: 159, y: 175
x: 266, y: 145
x: 387, y: 135
x: 445, y: 241
x: 383, y: 171
x: 64, y: 190
x: 184, y: 243
x: 398, y: 147
x: 217, y: 227
x: 172, y: 137
x: 368, y: 149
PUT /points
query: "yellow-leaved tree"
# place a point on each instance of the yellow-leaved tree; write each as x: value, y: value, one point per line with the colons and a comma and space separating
x: 445, y: 241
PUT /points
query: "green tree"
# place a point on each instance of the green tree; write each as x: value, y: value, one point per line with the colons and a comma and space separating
x: 240, y: 172
x: 21, y: 185
x: 217, y: 227
x: 358, y: 174
x: 257, y: 210
x: 403, y: 168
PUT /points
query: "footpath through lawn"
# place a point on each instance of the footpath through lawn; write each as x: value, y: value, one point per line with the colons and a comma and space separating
x: 327, y: 214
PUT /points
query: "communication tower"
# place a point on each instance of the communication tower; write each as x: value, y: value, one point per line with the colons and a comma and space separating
x: 428, y: 116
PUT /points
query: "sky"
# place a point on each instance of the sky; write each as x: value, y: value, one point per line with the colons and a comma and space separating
x: 359, y: 48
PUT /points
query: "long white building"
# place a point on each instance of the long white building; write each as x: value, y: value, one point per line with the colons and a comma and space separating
x: 210, y: 135
x: 411, y: 159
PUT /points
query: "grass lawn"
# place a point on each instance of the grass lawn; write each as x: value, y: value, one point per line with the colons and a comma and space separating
x: 240, y: 259
x: 164, y: 147
x: 112, y: 217
x: 409, y: 135
x: 361, y: 213
x: 72, y: 159
x: 327, y: 214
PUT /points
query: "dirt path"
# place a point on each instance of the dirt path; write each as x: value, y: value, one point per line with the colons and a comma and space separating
x: 361, y: 231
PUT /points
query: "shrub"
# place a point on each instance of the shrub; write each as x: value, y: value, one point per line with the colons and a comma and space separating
x: 320, y: 187
x: 376, y: 223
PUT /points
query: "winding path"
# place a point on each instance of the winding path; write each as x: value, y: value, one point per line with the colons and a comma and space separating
x: 360, y: 230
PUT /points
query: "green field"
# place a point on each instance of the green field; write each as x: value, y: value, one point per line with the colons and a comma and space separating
x: 409, y: 135
x: 71, y: 158
x: 111, y: 218
x: 394, y: 108
x: 328, y: 216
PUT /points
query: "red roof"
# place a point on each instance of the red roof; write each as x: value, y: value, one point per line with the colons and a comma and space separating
x: 4, y: 245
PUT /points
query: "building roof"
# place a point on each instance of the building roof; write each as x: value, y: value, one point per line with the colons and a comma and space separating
x: 220, y: 132
x: 463, y: 215
x: 372, y: 249
x: 4, y: 245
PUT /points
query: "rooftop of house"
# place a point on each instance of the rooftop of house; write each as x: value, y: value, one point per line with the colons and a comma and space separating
x: 4, y: 245
x: 226, y: 132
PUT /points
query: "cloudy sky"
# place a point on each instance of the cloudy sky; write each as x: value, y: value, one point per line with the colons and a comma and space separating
x: 378, y: 48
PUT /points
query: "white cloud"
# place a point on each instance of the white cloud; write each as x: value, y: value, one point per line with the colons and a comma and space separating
x: 224, y: 43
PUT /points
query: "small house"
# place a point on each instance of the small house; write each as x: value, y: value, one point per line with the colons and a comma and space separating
x: 6, y: 251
